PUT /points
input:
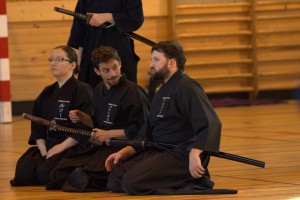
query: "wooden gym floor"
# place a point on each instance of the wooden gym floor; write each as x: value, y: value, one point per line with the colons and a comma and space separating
x: 269, y: 133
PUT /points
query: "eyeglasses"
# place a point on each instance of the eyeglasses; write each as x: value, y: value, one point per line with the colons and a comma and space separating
x: 59, y: 59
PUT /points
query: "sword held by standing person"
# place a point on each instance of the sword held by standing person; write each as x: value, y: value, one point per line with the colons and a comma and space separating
x: 87, y: 18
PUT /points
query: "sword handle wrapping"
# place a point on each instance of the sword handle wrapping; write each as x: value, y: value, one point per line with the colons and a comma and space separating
x: 86, y: 17
x: 53, y: 126
x: 36, y: 119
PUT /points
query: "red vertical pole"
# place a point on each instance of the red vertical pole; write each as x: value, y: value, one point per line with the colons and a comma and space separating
x: 5, y: 97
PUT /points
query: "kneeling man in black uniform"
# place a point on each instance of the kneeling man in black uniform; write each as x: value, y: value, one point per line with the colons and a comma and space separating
x: 180, y: 114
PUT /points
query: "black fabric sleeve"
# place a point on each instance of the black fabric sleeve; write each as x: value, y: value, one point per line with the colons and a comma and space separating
x: 79, y: 27
x: 94, y: 109
x: 37, y: 131
x: 204, y: 120
x: 82, y: 99
x: 132, y: 18
x: 134, y: 106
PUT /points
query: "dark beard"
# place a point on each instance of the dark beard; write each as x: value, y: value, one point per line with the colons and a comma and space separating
x: 161, y: 74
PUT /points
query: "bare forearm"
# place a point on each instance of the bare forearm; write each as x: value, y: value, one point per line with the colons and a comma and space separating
x: 67, y: 143
x: 87, y: 120
x: 117, y: 133
x: 108, y: 17
x: 41, y: 146
x: 56, y: 149
x: 195, y: 152
x: 119, y: 156
x: 127, y: 152
x: 103, y: 135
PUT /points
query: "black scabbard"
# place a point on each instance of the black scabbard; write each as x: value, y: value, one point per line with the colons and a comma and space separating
x: 148, y: 144
x: 237, y: 158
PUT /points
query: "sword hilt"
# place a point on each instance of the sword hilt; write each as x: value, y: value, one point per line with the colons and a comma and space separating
x: 53, y: 126
x: 36, y: 119
x: 86, y: 17
x: 71, y: 13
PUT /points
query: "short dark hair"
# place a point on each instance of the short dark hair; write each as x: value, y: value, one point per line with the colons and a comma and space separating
x: 103, y: 54
x: 171, y: 49
x: 71, y: 54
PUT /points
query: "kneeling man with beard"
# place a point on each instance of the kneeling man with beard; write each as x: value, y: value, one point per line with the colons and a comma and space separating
x: 181, y: 115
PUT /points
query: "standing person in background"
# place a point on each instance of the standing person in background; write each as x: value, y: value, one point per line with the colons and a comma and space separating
x: 55, y: 102
x: 119, y: 109
x: 297, y: 95
x: 180, y: 115
x: 125, y: 16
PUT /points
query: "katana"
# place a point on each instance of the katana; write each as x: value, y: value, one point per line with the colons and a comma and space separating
x: 87, y: 18
x: 53, y: 126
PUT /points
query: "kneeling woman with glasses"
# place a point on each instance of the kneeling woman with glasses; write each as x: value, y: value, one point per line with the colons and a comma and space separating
x: 54, y: 103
